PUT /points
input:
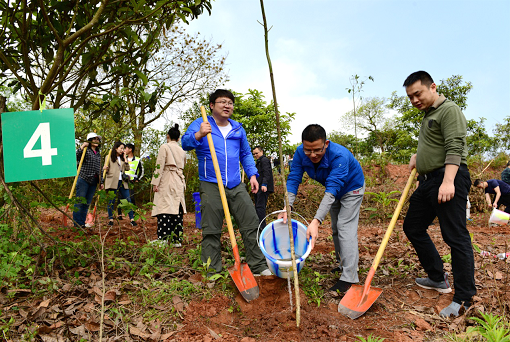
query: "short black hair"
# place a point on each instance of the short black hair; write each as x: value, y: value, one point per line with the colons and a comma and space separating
x: 422, y: 76
x: 131, y: 146
x: 477, y: 181
x: 259, y: 148
x: 174, y: 132
x: 313, y: 133
x: 221, y: 93
x: 508, y: 164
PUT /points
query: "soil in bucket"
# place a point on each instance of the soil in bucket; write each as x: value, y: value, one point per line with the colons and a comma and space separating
x: 274, y: 243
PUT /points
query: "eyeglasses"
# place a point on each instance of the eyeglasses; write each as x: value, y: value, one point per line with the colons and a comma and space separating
x: 226, y: 103
x: 309, y: 152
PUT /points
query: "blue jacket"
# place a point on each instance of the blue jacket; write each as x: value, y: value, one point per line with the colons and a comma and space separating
x: 338, y: 171
x: 230, y: 152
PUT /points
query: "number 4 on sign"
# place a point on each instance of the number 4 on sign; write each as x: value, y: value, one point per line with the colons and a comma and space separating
x: 43, y: 131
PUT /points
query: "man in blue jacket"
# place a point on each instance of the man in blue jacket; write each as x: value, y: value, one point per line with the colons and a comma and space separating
x: 335, y: 167
x: 232, y: 147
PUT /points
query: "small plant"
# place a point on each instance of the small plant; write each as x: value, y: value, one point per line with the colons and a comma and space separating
x: 492, y: 328
x: 383, y: 201
x: 370, y: 338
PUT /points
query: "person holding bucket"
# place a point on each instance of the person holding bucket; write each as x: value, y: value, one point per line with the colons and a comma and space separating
x: 89, y: 177
x: 444, y: 187
x: 232, y: 147
x: 499, y: 189
x: 335, y: 167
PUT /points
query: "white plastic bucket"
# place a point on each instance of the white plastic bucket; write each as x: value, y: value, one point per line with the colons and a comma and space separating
x: 274, y: 243
x: 499, y: 217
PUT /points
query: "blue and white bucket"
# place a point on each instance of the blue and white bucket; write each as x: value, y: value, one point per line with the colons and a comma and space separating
x: 274, y: 243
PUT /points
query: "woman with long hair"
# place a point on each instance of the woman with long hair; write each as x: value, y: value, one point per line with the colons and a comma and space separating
x: 114, y: 181
x: 168, y: 184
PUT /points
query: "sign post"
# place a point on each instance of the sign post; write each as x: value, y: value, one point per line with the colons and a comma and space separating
x: 38, y: 145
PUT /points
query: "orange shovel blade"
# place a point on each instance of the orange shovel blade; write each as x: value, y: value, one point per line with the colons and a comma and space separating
x: 354, y: 304
x: 245, y: 281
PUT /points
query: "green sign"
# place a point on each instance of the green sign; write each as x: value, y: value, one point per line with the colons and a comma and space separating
x: 38, y: 145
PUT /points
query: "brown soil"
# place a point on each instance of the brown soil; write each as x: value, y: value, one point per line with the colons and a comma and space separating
x: 404, y: 311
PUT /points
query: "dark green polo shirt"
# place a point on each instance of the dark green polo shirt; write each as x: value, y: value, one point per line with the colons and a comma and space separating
x: 442, y: 137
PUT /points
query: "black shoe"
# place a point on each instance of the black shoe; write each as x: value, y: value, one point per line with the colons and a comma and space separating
x: 120, y: 217
x: 336, y: 269
x: 133, y: 223
x: 341, y: 286
x: 110, y: 223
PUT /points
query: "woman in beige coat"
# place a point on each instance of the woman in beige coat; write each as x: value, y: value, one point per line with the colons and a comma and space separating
x: 169, y: 185
x: 113, y: 181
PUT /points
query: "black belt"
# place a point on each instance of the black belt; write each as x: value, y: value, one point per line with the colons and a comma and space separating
x: 438, y: 172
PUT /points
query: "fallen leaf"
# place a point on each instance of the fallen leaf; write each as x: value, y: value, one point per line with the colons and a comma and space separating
x: 45, y: 303
x: 137, y: 332
x: 52, y: 338
x: 489, y: 273
x: 78, y: 330
x: 110, y: 295
x: 92, y: 326
x: 178, y: 304
x: 67, y: 287
x: 125, y: 302
x: 167, y: 335
x: 499, y: 275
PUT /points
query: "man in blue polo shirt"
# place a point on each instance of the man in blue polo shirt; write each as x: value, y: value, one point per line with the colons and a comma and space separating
x: 499, y: 189
x: 335, y: 167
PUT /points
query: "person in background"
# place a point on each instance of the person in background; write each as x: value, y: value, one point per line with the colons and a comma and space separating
x: 89, y: 177
x: 444, y: 187
x: 135, y: 173
x: 232, y: 148
x: 335, y: 167
x: 115, y: 181
x: 169, y: 185
x: 266, y: 183
x: 505, y: 175
x: 499, y: 189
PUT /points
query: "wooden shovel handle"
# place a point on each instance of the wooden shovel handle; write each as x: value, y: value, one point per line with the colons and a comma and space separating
x: 221, y: 188
x: 78, y: 172
x: 386, y: 238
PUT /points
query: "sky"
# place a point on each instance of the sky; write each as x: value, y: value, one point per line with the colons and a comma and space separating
x: 317, y: 45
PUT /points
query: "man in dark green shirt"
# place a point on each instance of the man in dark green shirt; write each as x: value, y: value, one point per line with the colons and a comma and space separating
x: 443, y: 189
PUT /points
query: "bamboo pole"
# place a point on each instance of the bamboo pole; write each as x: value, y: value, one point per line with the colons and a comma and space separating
x: 282, y: 174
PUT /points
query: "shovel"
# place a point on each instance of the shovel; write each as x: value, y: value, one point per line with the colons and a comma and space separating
x: 64, y: 217
x: 91, y: 217
x: 360, y: 298
x: 240, y: 273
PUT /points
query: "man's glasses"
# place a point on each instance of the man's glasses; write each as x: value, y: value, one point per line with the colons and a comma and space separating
x: 226, y: 103
x: 309, y: 152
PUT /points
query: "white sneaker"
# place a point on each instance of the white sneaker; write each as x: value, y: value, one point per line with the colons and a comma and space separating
x: 177, y: 245
x: 265, y: 272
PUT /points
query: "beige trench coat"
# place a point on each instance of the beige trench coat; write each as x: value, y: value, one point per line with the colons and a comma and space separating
x: 114, y: 170
x: 169, y: 179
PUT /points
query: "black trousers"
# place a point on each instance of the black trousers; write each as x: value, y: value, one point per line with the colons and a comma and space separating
x: 260, y: 206
x: 423, y: 209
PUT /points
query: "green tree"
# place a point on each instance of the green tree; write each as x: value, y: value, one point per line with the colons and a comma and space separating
x: 371, y: 118
x: 355, y: 90
x: 477, y: 139
x: 178, y: 70
x: 350, y: 142
x: 64, y: 49
x: 501, y: 135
